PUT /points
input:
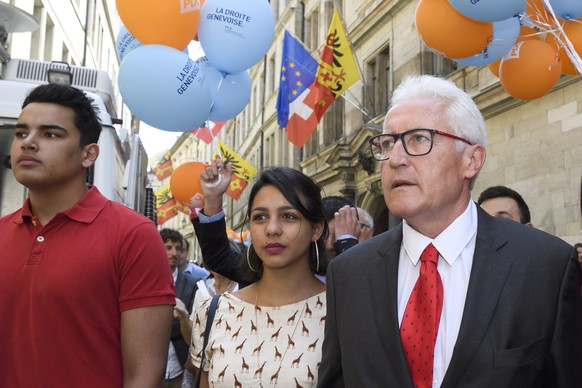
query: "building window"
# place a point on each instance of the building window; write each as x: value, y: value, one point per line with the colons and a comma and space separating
x: 39, y: 14
x: 311, y: 31
x: 48, y: 40
x: 438, y: 65
x: 378, y: 83
x: 333, y: 122
x: 311, y: 144
x: 269, y: 151
x: 271, y: 75
x: 254, y: 103
x: 284, y: 148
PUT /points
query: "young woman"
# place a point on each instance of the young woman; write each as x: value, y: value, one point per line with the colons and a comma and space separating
x: 269, y: 333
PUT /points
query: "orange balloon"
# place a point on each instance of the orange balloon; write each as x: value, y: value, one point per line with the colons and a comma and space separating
x: 169, y: 22
x: 525, y: 33
x: 185, y: 183
x: 494, y: 67
x: 231, y: 234
x: 573, y: 31
x: 530, y: 70
x: 449, y: 33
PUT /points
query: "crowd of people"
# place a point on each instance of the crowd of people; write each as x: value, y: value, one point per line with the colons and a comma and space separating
x: 459, y: 294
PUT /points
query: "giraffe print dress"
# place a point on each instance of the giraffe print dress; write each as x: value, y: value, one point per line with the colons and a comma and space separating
x: 272, y: 346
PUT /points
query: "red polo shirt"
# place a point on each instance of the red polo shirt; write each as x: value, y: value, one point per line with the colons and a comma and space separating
x: 64, y: 285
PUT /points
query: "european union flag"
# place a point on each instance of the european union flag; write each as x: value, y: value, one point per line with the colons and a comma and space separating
x: 298, y: 70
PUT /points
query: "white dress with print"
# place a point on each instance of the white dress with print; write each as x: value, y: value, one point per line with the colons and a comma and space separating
x: 263, y: 346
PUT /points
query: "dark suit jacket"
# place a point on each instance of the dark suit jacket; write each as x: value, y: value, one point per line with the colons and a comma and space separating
x: 521, y: 325
x: 185, y: 291
x: 217, y: 253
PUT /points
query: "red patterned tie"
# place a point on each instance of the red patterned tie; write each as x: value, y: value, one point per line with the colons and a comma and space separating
x: 421, y: 319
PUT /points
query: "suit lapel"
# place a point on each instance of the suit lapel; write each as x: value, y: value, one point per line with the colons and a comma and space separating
x: 383, y: 282
x: 488, y: 274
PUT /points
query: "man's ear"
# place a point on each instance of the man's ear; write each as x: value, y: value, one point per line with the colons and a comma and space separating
x: 476, y: 156
x: 90, y: 154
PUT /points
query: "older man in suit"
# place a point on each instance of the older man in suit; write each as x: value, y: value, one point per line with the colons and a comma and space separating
x: 452, y: 297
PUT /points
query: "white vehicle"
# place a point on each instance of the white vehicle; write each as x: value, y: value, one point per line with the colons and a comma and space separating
x: 120, y: 171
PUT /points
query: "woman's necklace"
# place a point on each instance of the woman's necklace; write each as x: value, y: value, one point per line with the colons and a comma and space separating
x: 274, y: 379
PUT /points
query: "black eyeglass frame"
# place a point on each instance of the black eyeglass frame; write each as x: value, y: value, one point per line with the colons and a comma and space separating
x: 396, y: 136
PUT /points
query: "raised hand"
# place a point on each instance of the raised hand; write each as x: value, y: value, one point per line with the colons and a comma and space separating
x: 214, y: 182
x: 346, y: 222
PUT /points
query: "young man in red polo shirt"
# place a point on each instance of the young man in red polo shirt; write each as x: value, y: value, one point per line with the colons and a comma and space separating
x: 86, y: 290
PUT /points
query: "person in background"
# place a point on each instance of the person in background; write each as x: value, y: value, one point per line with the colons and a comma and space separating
x: 86, y: 290
x: 451, y: 297
x: 270, y: 332
x: 344, y: 226
x: 206, y: 288
x: 216, y: 283
x: 367, y: 225
x: 503, y: 202
x: 187, y: 266
x: 185, y: 291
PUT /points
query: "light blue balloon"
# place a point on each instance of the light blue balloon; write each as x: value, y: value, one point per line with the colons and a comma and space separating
x: 164, y: 88
x: 230, y: 92
x: 566, y: 9
x: 488, y: 10
x: 235, y: 34
x: 125, y: 43
x: 505, y: 33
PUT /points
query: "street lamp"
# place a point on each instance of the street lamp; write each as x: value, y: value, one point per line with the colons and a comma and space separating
x: 59, y: 73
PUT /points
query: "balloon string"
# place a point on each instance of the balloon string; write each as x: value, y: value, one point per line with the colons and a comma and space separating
x: 217, y: 90
x: 563, y: 40
x: 212, y: 137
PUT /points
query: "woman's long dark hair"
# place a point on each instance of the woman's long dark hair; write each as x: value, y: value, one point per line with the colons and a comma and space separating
x: 305, y: 196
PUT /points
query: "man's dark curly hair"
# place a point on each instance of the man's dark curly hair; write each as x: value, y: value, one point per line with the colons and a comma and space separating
x: 171, y: 235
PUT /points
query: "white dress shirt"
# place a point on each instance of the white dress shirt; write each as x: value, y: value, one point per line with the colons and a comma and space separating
x: 456, y: 246
x: 173, y: 368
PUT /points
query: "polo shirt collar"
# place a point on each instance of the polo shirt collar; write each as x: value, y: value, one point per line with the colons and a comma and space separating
x: 85, y: 210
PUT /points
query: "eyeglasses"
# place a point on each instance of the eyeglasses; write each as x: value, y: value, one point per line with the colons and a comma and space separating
x: 416, y: 142
x: 362, y: 225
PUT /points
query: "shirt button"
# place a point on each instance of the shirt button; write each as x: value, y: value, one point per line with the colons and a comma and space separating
x: 40, y: 239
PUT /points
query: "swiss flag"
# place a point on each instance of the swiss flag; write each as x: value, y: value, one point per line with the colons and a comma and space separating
x: 209, y: 131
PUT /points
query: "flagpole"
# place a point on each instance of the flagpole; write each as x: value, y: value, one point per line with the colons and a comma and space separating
x: 358, y: 107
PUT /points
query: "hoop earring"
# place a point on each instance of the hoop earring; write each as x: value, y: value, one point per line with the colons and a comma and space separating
x: 249, y: 259
x: 316, y: 255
